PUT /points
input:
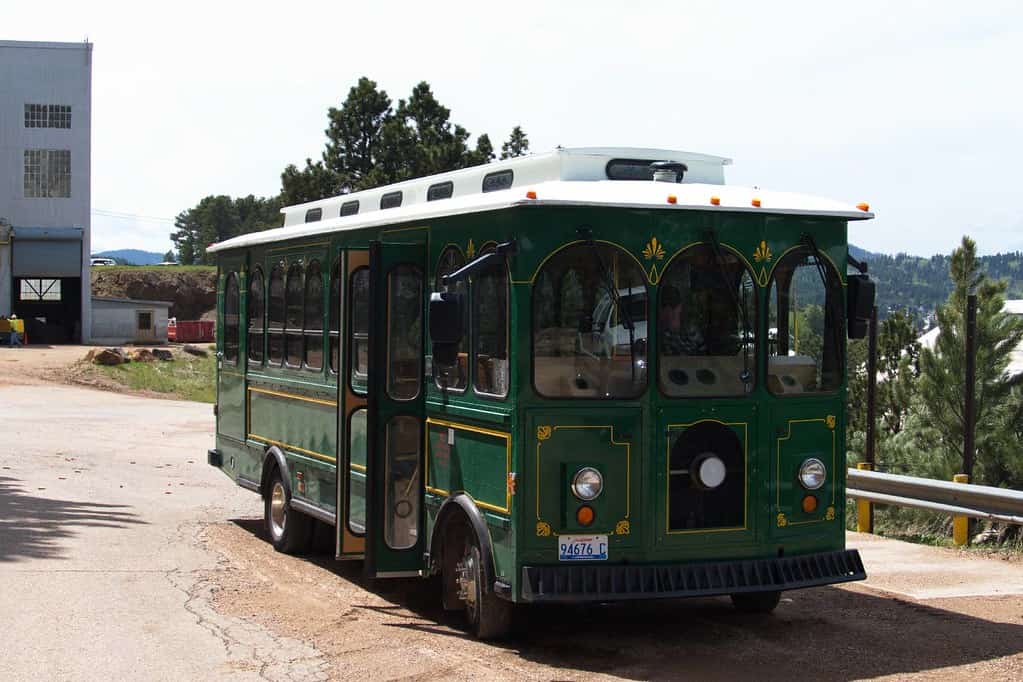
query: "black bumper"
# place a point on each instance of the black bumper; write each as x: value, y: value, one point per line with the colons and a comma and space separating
x: 594, y: 582
x: 214, y: 458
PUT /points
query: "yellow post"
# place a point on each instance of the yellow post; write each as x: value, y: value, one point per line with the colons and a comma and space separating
x: 961, y: 524
x: 863, y: 524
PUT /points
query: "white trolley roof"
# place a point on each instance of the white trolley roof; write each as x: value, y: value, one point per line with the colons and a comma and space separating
x: 575, y: 177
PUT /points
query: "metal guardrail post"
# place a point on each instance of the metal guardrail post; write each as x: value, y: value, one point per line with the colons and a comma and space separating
x: 961, y: 524
x: 864, y: 509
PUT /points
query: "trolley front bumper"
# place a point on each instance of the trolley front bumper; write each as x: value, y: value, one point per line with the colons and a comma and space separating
x: 596, y: 583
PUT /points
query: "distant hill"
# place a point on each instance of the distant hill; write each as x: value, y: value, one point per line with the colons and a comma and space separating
x: 922, y: 284
x: 132, y: 256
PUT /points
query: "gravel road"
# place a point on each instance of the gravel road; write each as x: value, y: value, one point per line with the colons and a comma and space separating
x: 124, y: 556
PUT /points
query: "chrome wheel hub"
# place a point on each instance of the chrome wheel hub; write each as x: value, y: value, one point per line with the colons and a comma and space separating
x: 465, y: 571
x: 278, y: 510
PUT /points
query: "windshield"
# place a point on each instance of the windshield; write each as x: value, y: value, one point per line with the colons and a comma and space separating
x: 589, y: 324
x: 706, y: 340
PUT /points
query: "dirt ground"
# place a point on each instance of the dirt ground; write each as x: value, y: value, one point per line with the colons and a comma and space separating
x: 124, y: 556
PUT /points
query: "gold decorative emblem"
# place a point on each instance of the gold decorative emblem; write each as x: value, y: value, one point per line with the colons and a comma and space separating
x: 782, y: 521
x: 654, y: 249
x: 470, y: 250
x: 763, y: 253
x: 543, y: 529
x: 622, y: 528
x: 830, y: 515
x: 830, y: 421
x: 543, y: 432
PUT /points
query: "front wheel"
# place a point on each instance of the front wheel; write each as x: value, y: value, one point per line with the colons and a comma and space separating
x: 756, y: 602
x: 489, y: 616
x: 289, y: 530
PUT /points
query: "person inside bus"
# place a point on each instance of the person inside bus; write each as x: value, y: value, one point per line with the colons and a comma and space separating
x: 678, y: 336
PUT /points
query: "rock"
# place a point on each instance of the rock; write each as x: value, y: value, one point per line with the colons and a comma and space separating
x: 163, y: 354
x: 143, y: 355
x: 986, y: 537
x: 195, y: 350
x: 109, y: 356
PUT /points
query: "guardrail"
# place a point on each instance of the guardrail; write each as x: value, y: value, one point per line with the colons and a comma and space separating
x: 959, y: 498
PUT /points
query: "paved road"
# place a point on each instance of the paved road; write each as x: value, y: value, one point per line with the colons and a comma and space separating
x: 124, y: 556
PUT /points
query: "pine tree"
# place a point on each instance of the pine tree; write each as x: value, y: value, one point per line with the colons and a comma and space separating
x: 517, y: 144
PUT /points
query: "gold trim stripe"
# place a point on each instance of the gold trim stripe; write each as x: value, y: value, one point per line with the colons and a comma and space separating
x: 293, y: 448
x: 294, y: 396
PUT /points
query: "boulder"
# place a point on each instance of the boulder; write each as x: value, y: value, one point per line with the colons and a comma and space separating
x: 163, y: 354
x: 195, y: 350
x: 142, y: 355
x: 109, y: 356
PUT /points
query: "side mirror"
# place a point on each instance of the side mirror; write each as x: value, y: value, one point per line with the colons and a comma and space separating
x: 859, y: 303
x: 446, y: 330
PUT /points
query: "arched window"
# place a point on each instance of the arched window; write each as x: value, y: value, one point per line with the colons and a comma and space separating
x: 706, y: 325
x: 490, y: 329
x: 231, y: 321
x: 275, y: 315
x: 589, y: 324
x: 312, y: 351
x: 256, y: 316
x: 334, y: 315
x: 456, y: 377
x: 293, y: 317
x: 806, y: 326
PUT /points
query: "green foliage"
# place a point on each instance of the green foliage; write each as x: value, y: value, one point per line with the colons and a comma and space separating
x: 517, y: 144
x: 168, y: 257
x: 186, y: 378
x: 216, y: 218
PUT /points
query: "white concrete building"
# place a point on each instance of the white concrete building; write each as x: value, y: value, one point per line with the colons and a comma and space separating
x: 128, y: 320
x: 45, y: 188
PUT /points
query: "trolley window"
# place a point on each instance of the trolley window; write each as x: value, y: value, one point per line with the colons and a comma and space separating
x: 293, y: 317
x: 404, y: 332
x: 256, y: 316
x: 231, y: 321
x: 456, y: 377
x: 390, y: 200
x: 275, y: 327
x: 589, y: 324
x: 442, y: 190
x: 313, y: 215
x: 706, y: 325
x: 806, y: 326
x: 358, y: 325
x: 334, y: 306
x: 349, y: 208
x: 312, y: 350
x: 490, y: 330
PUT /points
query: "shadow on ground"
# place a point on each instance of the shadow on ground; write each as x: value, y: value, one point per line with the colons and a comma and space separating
x: 822, y: 633
x: 33, y: 527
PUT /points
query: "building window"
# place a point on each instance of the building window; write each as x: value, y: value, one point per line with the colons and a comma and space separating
x: 47, y: 116
x: 47, y: 173
x: 39, y: 290
x: 144, y: 320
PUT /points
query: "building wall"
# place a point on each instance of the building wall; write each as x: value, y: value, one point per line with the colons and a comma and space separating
x: 46, y: 73
x: 114, y: 322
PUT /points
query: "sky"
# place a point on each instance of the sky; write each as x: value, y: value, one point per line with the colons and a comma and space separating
x: 913, y: 107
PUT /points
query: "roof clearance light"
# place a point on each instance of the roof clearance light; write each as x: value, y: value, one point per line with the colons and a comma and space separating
x: 756, y: 202
x: 531, y: 194
x: 863, y: 206
x: 715, y: 201
x: 672, y: 199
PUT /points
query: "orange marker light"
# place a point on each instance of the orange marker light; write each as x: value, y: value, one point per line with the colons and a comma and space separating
x: 863, y: 206
x: 809, y: 504
x: 756, y: 202
x: 672, y: 199
x: 584, y: 515
x: 715, y: 201
x: 531, y: 194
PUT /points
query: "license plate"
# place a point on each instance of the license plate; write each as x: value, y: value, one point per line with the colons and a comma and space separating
x: 582, y: 548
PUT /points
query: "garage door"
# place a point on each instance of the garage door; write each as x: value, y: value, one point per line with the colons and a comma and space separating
x: 47, y: 252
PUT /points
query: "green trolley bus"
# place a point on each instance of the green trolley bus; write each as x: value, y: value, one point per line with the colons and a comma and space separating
x: 590, y: 375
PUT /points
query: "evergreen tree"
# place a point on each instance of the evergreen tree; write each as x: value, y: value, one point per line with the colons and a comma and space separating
x: 216, y: 218
x: 168, y: 257
x: 941, y: 424
x: 314, y: 182
x: 354, y: 136
x: 517, y: 144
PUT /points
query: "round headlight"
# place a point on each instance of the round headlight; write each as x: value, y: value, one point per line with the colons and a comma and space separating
x: 812, y: 474
x: 711, y: 472
x: 587, y: 483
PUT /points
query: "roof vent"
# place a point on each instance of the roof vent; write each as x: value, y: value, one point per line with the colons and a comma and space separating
x: 668, y: 171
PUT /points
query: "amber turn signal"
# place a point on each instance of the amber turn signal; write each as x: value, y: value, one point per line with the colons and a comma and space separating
x: 531, y: 194
x: 809, y: 504
x: 756, y: 202
x: 672, y: 199
x: 584, y: 515
x: 863, y: 206
x: 715, y: 201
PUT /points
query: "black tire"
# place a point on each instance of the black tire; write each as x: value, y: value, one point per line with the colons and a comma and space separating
x: 489, y: 616
x: 288, y: 529
x: 756, y: 602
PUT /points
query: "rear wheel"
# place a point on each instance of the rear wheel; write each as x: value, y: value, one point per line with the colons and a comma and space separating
x: 489, y: 616
x: 288, y: 529
x: 756, y: 602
